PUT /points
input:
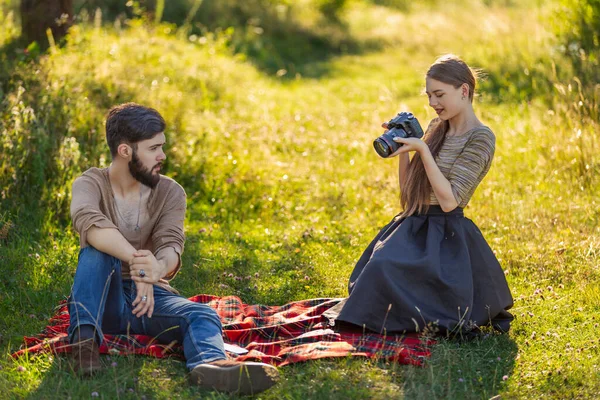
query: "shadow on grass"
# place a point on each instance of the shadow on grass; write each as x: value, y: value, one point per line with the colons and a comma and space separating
x: 290, y: 50
x: 269, y: 34
x: 279, y: 279
x: 128, y: 376
x: 474, y: 369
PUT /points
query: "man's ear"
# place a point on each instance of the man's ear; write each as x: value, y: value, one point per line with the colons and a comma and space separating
x: 124, y: 150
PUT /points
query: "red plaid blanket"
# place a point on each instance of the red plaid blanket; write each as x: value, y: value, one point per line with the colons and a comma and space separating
x: 278, y: 335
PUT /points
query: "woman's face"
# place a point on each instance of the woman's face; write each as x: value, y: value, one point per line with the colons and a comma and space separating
x: 445, y: 99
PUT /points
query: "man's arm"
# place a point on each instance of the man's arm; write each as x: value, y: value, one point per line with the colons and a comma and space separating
x: 169, y: 260
x: 168, y: 239
x: 93, y: 226
x: 110, y: 241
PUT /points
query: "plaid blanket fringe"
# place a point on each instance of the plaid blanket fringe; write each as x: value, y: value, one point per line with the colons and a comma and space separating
x: 279, y: 335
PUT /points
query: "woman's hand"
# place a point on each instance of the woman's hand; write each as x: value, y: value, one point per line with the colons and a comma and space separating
x: 410, y: 144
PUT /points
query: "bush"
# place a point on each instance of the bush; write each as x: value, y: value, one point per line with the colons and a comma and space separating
x: 578, y: 25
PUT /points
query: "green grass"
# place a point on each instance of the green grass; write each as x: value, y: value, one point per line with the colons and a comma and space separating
x: 282, y: 180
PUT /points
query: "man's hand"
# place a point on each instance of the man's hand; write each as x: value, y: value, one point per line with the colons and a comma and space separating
x: 144, y: 301
x: 144, y: 267
x: 145, y: 271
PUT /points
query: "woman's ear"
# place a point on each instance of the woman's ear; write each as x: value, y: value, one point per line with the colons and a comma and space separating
x: 465, y: 90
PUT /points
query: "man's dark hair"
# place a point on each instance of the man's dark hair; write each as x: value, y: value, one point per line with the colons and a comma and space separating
x: 132, y: 123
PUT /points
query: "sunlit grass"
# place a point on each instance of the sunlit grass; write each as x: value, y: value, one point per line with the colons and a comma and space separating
x: 283, y: 182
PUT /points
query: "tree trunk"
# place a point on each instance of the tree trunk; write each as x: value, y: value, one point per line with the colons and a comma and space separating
x: 39, y: 15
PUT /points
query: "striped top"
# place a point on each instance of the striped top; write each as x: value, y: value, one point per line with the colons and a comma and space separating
x: 464, y: 160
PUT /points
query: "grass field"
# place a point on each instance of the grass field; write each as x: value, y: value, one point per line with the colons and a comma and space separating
x: 282, y: 180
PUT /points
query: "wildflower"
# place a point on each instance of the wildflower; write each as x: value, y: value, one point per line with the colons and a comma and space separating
x: 255, y: 286
x: 130, y: 390
x: 223, y: 286
x: 31, y: 316
x: 224, y: 273
x: 230, y: 275
x: 499, y: 359
x: 248, y: 277
x: 306, y: 277
x: 256, y: 275
x: 202, y: 230
x: 113, y: 364
x: 95, y: 394
x: 461, y: 380
x: 505, y: 377
x: 21, y: 368
x: 238, y: 278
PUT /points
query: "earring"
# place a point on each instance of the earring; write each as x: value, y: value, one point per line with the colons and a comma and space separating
x: 462, y: 98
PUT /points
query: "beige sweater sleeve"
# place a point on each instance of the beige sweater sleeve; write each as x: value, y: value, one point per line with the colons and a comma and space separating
x: 168, y: 231
x: 85, y: 208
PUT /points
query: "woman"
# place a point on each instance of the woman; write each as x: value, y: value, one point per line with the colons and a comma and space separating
x: 430, y: 268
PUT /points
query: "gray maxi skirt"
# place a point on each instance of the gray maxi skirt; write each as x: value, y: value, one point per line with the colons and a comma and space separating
x: 433, y: 271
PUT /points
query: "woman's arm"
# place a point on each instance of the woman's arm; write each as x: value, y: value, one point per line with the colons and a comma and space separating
x: 466, y: 172
x: 403, y: 161
x: 440, y: 185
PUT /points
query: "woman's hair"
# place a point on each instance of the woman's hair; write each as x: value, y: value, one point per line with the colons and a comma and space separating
x: 415, y: 195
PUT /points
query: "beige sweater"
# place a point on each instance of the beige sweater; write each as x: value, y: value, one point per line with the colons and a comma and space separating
x: 465, y: 160
x: 93, y: 204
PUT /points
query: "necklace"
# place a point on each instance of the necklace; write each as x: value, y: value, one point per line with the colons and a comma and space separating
x: 137, y: 227
x: 137, y: 222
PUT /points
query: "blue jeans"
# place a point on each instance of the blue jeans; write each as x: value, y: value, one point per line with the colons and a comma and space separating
x: 101, y: 298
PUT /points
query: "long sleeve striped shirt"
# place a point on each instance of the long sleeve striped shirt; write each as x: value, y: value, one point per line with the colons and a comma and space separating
x: 465, y: 160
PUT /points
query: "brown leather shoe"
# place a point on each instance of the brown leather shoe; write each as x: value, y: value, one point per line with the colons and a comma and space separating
x: 86, y: 357
x: 234, y: 376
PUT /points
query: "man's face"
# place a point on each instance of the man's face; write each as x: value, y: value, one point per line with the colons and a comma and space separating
x: 146, y: 161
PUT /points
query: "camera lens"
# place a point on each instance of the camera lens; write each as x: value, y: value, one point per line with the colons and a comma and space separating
x: 381, y: 148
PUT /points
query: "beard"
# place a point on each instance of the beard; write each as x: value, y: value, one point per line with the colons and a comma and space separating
x: 141, y: 173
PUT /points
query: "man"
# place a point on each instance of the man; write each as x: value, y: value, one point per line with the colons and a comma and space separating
x: 130, y: 222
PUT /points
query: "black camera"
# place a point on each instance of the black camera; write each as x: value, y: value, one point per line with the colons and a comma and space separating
x: 403, y: 125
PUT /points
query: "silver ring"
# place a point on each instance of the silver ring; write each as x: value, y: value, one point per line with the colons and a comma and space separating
x: 142, y: 273
x: 144, y: 298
